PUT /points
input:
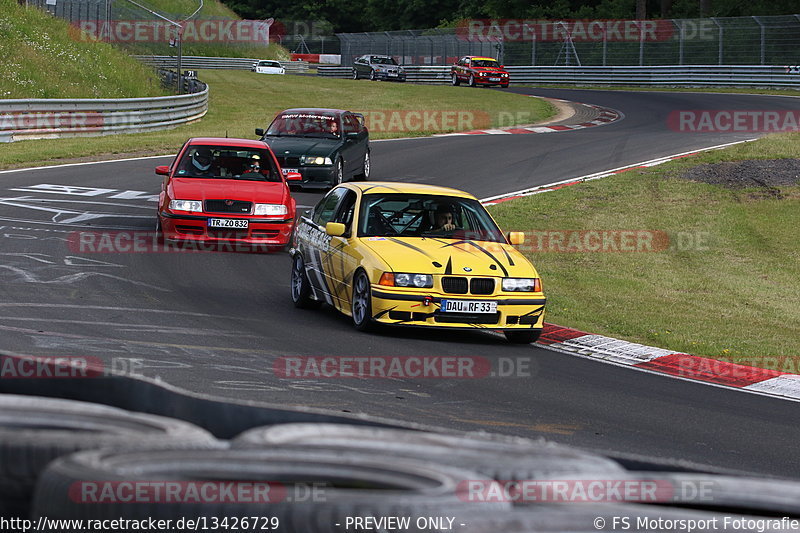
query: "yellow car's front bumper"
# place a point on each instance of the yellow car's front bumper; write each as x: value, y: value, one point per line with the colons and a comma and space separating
x: 402, y: 307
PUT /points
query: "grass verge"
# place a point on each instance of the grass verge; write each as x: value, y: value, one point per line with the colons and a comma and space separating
x: 241, y: 101
x: 725, y: 286
x: 42, y: 57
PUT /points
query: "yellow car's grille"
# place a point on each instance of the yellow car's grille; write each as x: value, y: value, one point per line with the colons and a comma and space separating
x: 462, y: 285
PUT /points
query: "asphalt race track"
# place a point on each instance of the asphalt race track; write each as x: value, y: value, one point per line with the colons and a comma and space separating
x: 217, y: 322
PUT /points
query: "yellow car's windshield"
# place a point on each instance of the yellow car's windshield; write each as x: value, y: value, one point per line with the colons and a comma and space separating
x: 418, y: 215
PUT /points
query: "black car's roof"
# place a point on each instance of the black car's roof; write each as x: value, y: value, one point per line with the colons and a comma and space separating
x: 313, y: 110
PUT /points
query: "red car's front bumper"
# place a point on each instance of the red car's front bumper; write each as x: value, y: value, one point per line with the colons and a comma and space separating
x: 193, y: 229
x: 481, y: 80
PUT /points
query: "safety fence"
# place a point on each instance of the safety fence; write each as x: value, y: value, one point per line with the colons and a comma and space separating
x: 767, y: 40
x: 54, y: 118
x: 664, y: 76
x: 230, y: 63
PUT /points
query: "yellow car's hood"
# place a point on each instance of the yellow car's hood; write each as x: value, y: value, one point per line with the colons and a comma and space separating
x: 450, y: 256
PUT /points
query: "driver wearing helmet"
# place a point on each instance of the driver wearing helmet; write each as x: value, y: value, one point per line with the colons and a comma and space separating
x: 254, y: 166
x: 202, y: 163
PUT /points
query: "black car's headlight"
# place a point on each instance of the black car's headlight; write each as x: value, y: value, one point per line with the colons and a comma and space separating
x: 420, y: 281
x: 522, y: 284
x: 315, y: 160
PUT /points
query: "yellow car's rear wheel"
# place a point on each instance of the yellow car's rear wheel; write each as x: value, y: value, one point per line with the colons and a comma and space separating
x: 301, y: 287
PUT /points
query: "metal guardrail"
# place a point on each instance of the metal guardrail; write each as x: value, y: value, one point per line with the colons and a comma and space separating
x: 54, y: 118
x: 660, y: 76
x: 229, y: 63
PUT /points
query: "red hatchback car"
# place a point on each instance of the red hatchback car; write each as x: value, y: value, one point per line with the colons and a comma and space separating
x: 220, y: 190
x: 474, y: 71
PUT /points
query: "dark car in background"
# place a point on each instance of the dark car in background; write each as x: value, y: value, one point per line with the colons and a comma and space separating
x: 376, y: 67
x: 474, y: 71
x: 325, y: 146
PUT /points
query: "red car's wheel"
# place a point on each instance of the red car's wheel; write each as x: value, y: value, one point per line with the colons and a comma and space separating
x: 455, y: 81
x: 472, y: 80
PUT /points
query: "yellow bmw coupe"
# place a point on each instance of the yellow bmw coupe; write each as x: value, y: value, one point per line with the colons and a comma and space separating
x: 414, y: 255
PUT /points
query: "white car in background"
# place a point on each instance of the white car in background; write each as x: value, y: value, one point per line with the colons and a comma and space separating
x: 268, y: 67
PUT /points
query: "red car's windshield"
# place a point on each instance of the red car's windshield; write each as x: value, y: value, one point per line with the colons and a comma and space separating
x: 227, y: 162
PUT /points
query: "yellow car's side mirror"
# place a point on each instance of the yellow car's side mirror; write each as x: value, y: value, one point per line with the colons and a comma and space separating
x: 335, y: 229
x: 516, y: 237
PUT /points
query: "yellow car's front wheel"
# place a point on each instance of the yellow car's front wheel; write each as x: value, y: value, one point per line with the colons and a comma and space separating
x: 361, y: 302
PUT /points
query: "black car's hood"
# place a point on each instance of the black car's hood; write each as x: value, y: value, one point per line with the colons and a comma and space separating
x: 293, y: 146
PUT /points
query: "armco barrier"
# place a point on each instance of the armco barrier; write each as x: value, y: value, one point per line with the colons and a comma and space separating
x: 660, y: 76
x: 47, y: 119
x: 227, y: 63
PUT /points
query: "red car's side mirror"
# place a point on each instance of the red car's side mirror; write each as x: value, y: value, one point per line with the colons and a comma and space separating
x: 162, y: 170
x: 294, y: 176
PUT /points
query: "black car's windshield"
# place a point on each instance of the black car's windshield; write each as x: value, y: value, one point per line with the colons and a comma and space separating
x: 384, y: 61
x: 322, y: 125
x: 426, y: 216
x: 490, y: 63
x: 228, y: 162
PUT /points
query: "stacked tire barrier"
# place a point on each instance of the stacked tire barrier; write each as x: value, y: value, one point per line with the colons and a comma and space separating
x: 653, y: 76
x: 55, y: 118
x: 299, y: 470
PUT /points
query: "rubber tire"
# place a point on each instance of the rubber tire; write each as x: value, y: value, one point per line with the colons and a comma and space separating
x: 522, y: 336
x: 365, y: 169
x: 159, y: 237
x: 364, y: 323
x: 493, y: 456
x: 455, y: 81
x: 472, y: 81
x: 373, y: 76
x: 301, y: 295
x: 353, y: 485
x: 339, y: 178
x: 34, y: 431
x: 504, y: 86
x: 355, y: 74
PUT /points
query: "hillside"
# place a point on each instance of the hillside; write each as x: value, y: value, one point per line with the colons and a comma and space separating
x: 41, y: 57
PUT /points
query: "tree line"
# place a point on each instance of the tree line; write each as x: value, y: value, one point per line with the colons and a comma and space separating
x: 386, y: 15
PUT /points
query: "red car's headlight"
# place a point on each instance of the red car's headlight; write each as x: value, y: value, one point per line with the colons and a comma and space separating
x: 270, y: 209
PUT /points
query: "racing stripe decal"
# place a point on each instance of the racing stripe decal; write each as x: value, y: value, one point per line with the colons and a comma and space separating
x: 407, y: 245
x: 485, y: 251
x: 508, y: 256
x: 449, y: 268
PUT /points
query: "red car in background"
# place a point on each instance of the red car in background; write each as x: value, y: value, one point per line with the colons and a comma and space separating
x: 222, y: 191
x: 476, y: 70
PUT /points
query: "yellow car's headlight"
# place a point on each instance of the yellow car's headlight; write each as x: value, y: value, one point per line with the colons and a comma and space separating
x: 522, y: 284
x: 420, y: 281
